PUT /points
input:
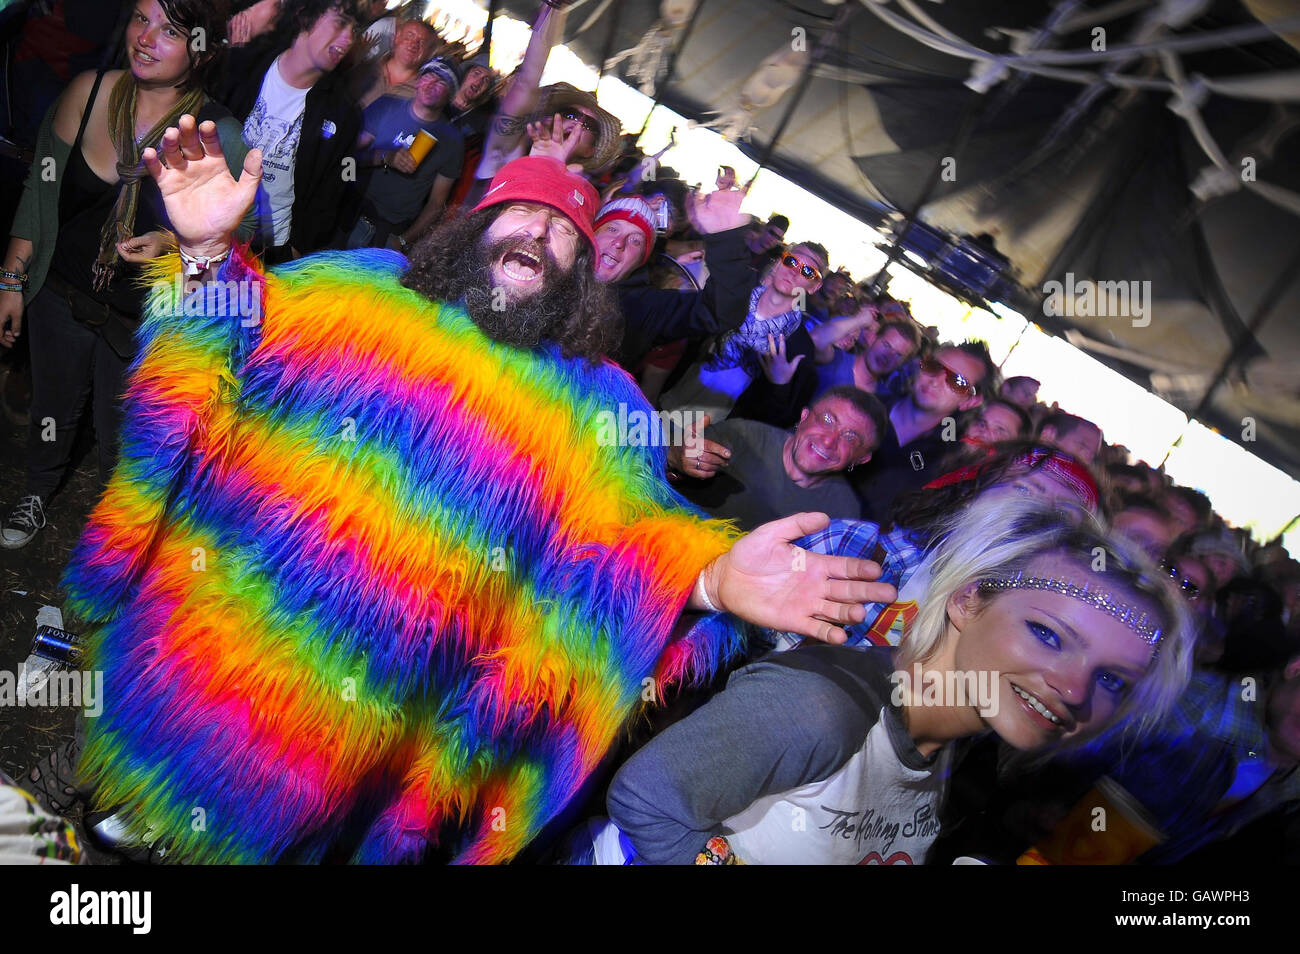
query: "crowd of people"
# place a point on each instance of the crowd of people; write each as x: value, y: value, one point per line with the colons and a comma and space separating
x: 469, y: 269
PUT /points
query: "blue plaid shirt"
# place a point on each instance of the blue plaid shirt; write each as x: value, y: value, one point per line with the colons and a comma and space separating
x: 898, y: 551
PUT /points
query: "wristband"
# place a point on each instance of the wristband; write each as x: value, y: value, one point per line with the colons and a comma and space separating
x: 5, y: 286
x: 196, y: 266
x: 13, y: 276
x: 704, y: 595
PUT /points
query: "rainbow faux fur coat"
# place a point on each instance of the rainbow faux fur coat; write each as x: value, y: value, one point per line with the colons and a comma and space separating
x: 361, y: 563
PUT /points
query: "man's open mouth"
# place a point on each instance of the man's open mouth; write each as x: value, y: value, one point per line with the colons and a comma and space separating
x: 609, y: 260
x: 521, y: 267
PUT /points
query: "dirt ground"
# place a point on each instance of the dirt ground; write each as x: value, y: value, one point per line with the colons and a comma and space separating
x: 29, y: 579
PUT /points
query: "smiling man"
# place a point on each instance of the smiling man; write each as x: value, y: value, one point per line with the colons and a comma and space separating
x: 397, y: 72
x: 773, y: 473
x: 625, y: 236
x: 951, y: 380
x: 367, y: 583
x: 296, y: 111
x: 402, y: 196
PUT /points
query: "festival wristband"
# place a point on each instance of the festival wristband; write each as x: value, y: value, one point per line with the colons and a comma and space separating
x: 13, y: 276
x: 197, y: 266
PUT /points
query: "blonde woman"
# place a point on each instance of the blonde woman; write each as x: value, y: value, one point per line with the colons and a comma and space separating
x: 1038, y: 625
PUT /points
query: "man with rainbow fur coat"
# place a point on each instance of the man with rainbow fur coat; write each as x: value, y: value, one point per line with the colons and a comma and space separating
x: 366, y: 582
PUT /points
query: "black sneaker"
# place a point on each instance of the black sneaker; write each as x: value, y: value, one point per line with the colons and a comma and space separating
x: 25, y: 521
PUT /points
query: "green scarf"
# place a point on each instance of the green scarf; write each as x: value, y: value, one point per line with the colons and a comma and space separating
x: 120, y: 226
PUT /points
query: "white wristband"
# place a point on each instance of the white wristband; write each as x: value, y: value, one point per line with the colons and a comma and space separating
x: 704, y: 594
x: 197, y: 266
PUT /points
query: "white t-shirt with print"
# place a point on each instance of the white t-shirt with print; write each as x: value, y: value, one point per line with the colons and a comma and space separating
x: 874, y: 810
x: 275, y: 127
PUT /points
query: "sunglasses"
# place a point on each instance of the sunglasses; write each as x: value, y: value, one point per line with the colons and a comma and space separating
x: 956, y: 382
x: 587, y: 123
x: 806, y: 270
x: 1190, y: 590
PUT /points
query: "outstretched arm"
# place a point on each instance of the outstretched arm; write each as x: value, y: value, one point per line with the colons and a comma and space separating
x: 768, y: 581
x: 654, y: 316
x: 508, y: 125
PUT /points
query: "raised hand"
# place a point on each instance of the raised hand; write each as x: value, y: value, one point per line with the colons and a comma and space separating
x: 776, y: 366
x: 717, y: 211
x: 549, y: 140
x: 768, y: 581
x: 843, y: 331
x: 203, y: 201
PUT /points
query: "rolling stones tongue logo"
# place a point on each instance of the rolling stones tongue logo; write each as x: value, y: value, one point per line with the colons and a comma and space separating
x: 897, y: 858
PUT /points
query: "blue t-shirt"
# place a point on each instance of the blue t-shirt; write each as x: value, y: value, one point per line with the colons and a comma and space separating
x: 399, y: 196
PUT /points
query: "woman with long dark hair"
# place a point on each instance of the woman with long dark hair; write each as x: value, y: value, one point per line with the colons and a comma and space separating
x: 90, y: 216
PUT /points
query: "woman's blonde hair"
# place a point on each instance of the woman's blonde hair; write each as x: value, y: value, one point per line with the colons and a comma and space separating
x: 1000, y: 535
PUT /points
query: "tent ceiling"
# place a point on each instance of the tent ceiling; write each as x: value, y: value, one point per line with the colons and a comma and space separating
x: 1105, y: 196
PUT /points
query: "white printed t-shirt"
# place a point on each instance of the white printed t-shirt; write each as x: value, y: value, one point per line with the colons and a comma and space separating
x: 275, y: 127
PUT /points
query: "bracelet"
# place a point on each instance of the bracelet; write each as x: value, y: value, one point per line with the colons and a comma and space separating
x: 196, y: 266
x: 5, y: 286
x: 717, y: 851
x: 704, y: 595
x: 20, y: 279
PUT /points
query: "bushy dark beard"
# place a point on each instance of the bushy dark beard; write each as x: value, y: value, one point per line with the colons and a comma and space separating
x: 527, y: 322
x: 571, y: 308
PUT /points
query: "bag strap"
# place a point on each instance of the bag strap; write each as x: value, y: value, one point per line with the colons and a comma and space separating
x: 90, y: 104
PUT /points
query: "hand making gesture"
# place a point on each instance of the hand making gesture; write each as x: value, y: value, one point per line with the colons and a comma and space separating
x: 203, y: 201
x: 717, y: 211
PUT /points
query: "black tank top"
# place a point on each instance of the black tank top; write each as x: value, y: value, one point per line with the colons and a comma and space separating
x: 85, y: 203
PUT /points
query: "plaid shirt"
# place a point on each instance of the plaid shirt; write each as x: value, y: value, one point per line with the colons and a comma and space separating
x: 742, y: 345
x: 898, y: 552
x: 1185, y: 770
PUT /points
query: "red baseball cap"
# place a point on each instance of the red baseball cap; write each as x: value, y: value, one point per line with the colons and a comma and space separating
x: 546, y: 181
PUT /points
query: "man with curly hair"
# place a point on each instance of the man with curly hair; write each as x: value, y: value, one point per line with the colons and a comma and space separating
x: 373, y: 581
x: 286, y: 90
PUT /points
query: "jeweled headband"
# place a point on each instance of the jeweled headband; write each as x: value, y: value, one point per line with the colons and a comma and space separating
x: 1137, y: 620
